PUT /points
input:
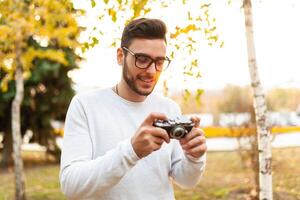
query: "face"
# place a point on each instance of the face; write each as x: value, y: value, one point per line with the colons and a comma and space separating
x: 142, y: 81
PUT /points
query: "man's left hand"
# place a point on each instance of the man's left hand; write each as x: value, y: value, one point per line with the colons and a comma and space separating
x: 194, y: 143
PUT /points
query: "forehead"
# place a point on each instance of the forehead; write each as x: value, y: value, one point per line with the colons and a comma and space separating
x: 152, y: 47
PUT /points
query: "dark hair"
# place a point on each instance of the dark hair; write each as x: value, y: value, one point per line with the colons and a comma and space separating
x: 143, y: 28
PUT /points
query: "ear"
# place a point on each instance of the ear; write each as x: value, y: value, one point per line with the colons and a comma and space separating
x: 120, y: 56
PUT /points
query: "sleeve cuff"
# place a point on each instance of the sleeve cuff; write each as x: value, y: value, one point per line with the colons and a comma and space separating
x: 130, y: 153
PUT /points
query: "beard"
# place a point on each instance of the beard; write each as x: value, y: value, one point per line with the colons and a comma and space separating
x: 132, y: 81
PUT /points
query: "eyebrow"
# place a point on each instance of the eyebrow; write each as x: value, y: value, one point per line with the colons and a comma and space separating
x: 143, y: 54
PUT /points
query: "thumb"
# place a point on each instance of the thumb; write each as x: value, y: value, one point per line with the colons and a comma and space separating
x: 196, y: 120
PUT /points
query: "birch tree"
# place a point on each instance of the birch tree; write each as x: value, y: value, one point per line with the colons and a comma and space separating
x: 259, y: 103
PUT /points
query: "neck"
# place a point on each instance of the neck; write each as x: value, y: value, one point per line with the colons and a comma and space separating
x: 123, y: 90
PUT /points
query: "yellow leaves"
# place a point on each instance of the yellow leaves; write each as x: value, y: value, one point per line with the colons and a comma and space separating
x: 188, y: 73
x: 113, y: 14
x: 114, y: 44
x: 222, y: 44
x: 26, y: 75
x: 138, y: 6
x: 5, y: 80
x: 58, y: 131
x: 53, y: 6
x: 205, y: 5
x: 50, y: 23
x: 166, y: 89
x: 87, y: 45
x: 54, y: 20
x: 186, y: 95
x: 5, y: 31
x: 31, y: 54
x: 195, y: 63
x: 54, y: 55
x: 185, y: 30
x: 8, y: 63
x: 27, y: 58
x: 172, y: 55
x: 199, y: 92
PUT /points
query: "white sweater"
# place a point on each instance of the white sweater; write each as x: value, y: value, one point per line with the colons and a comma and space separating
x: 98, y: 161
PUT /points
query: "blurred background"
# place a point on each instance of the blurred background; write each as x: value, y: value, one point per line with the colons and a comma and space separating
x: 66, y: 47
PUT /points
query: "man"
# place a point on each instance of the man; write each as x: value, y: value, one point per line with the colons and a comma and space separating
x: 111, y: 149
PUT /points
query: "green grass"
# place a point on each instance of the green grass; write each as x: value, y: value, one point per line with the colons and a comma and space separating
x: 41, y: 183
x: 225, y: 178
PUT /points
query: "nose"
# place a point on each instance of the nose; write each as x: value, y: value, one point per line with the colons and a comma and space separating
x: 151, y: 69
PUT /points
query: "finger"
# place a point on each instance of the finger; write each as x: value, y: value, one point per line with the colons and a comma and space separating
x: 154, y: 116
x: 198, y: 150
x: 196, y: 120
x: 158, y: 140
x: 160, y: 133
x: 155, y: 146
x: 197, y: 141
x: 194, y: 133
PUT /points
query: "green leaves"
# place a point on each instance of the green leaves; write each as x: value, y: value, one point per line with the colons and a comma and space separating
x: 93, y: 3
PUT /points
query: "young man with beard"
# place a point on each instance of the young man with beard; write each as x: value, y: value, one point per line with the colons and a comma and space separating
x: 111, y: 150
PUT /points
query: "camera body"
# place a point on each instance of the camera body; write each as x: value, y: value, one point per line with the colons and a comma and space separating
x: 176, y: 128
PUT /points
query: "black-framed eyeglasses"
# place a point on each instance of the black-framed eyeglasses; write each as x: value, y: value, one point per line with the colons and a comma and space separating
x: 144, y: 61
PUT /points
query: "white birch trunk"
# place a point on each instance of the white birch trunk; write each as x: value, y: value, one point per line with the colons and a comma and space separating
x: 263, y: 134
x: 16, y: 124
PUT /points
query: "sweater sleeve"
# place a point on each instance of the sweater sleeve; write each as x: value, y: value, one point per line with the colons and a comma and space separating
x: 186, y: 170
x: 81, y: 176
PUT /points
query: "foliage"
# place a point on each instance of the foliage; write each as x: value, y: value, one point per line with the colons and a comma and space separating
x: 47, y: 94
x: 233, y: 98
x: 50, y: 23
x: 283, y: 99
x: 49, y: 40
x: 236, y: 99
x: 190, y: 30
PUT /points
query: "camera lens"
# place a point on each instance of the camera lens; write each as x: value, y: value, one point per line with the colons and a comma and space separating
x: 177, y: 132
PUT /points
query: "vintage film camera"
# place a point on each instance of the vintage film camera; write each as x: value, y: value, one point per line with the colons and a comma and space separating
x: 176, y: 128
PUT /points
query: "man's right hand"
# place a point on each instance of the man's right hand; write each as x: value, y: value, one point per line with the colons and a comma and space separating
x: 149, y: 138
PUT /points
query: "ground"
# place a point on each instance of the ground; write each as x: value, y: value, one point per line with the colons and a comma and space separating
x: 225, y: 178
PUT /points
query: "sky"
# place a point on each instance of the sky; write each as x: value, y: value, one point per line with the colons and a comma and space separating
x: 277, y: 43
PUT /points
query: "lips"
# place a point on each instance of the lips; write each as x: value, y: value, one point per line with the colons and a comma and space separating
x: 146, y: 79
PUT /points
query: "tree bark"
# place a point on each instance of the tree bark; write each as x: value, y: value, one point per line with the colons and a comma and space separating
x: 16, y: 124
x: 263, y: 133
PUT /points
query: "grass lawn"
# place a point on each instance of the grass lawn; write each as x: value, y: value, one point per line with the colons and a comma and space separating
x: 225, y: 178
